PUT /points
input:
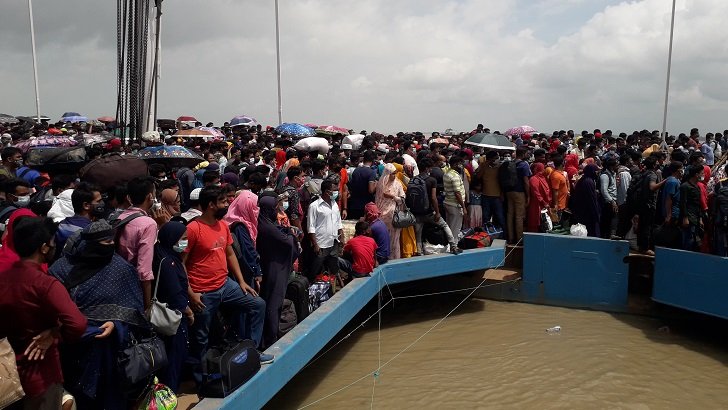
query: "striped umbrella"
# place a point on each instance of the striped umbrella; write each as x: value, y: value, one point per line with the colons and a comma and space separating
x: 243, y: 120
x: 523, y: 129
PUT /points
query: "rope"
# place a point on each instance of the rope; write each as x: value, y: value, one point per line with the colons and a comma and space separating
x: 381, y: 366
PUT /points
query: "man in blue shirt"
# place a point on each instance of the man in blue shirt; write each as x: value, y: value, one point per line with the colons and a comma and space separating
x: 671, y: 192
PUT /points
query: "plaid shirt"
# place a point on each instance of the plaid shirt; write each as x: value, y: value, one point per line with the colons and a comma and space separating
x: 453, y: 183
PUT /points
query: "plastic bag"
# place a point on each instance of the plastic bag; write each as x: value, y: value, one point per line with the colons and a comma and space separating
x: 158, y: 397
x: 578, y: 230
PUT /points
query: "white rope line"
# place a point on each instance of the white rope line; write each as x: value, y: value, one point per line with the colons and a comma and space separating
x: 381, y: 366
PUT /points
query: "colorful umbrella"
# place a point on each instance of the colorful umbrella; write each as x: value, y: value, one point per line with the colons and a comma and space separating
x: 75, y: 118
x: 196, y: 133
x: 293, y: 129
x: 45, y: 141
x: 8, y: 119
x: 332, y: 130
x: 107, y: 119
x: 492, y: 141
x: 172, y: 156
x: 311, y: 125
x: 523, y: 129
x: 243, y: 120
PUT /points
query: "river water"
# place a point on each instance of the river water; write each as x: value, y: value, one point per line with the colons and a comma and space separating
x: 492, y: 354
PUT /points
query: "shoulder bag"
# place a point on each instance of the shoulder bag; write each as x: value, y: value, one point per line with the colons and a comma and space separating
x: 403, y: 218
x: 164, y: 320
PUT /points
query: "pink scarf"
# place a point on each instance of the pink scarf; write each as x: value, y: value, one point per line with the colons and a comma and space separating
x: 245, y: 209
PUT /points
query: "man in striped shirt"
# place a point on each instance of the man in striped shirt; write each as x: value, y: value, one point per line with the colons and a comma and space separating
x: 455, y: 195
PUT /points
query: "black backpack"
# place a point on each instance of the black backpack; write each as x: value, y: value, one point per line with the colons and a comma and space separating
x: 228, y: 367
x: 289, y: 319
x: 508, y: 175
x: 635, y: 191
x: 721, y: 208
x: 417, y: 197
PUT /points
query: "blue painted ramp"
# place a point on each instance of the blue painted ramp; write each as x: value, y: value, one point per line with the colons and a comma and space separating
x: 302, y: 343
x: 692, y: 281
x: 575, y: 271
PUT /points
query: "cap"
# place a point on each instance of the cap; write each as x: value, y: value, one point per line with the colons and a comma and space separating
x: 195, y: 194
x: 98, y: 231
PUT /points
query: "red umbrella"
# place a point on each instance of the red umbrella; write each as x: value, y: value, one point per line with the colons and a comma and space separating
x: 186, y: 118
x: 107, y: 119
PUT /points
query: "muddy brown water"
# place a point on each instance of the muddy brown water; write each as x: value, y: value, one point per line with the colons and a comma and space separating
x: 492, y: 354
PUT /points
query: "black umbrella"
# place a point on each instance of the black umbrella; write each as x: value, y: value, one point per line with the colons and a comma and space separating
x: 171, y: 156
x: 492, y: 141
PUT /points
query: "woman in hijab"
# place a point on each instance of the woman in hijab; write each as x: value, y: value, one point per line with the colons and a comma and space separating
x: 571, y: 166
x: 408, y: 241
x: 278, y: 249
x: 8, y: 256
x: 540, y: 196
x: 105, y: 287
x: 242, y: 218
x: 172, y: 290
x: 585, y: 207
x: 389, y: 196
x: 171, y: 206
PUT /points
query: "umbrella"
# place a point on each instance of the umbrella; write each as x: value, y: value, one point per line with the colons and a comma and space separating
x: 353, y: 140
x: 196, y: 133
x: 311, y: 125
x: 439, y: 140
x: 91, y: 139
x: 107, y: 119
x: 332, y: 130
x: 8, y: 119
x: 293, y: 129
x: 34, y: 118
x: 187, y: 118
x: 492, y: 141
x: 45, y: 141
x: 172, y: 156
x: 243, y: 120
x: 75, y: 118
x: 523, y: 129
x: 214, y: 131
x: 70, y: 114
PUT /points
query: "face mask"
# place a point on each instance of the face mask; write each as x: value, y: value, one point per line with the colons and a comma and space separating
x: 285, y: 205
x: 23, y: 201
x: 163, y: 179
x: 180, y: 246
x: 156, y: 205
x: 19, y: 163
x: 220, y: 213
x: 98, y: 209
x: 335, y: 195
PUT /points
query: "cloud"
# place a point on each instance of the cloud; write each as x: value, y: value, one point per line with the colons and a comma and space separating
x: 383, y: 65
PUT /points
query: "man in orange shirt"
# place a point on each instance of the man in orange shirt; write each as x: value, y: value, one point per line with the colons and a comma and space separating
x: 559, y: 187
x: 208, y: 258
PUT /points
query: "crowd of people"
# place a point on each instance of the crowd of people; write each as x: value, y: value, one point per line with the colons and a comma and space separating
x: 80, y: 265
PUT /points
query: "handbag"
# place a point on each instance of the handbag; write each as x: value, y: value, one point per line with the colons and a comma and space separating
x: 546, y: 223
x: 403, y: 218
x: 164, y: 320
x: 141, y: 359
x: 10, y: 389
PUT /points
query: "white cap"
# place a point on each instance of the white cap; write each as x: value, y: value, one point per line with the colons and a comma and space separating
x: 195, y: 194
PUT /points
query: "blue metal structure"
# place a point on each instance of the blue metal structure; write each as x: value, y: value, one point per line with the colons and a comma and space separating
x: 692, y: 281
x: 574, y: 272
x: 302, y: 343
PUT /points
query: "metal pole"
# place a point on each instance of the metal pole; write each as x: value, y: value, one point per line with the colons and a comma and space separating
x: 669, y: 66
x: 35, y: 64
x: 278, y: 68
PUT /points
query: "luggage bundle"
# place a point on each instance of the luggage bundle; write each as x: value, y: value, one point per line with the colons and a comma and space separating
x: 228, y: 367
x: 477, y: 239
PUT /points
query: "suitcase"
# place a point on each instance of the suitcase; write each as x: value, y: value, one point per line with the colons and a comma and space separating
x: 297, y: 292
x: 228, y: 367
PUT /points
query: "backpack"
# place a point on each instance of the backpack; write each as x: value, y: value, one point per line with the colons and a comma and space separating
x: 228, y: 367
x: 417, y: 198
x: 288, y: 320
x: 508, y: 175
x: 5, y: 216
x: 297, y: 293
x: 721, y: 208
x: 635, y: 190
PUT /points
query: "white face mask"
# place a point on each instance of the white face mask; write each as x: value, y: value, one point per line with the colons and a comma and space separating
x: 180, y: 246
x: 285, y: 205
x: 23, y: 201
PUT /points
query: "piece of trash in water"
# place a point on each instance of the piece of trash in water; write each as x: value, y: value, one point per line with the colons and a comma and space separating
x: 555, y: 329
x: 664, y: 329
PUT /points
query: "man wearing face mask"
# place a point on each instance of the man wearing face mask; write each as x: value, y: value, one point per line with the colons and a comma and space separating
x: 12, y: 160
x: 137, y: 231
x: 87, y: 207
x: 325, y: 230
x: 209, y: 260
x: 294, y: 211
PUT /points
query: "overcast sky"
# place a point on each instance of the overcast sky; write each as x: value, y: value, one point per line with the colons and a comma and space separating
x: 389, y: 65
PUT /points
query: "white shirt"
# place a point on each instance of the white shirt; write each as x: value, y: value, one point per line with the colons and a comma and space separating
x: 324, y: 221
